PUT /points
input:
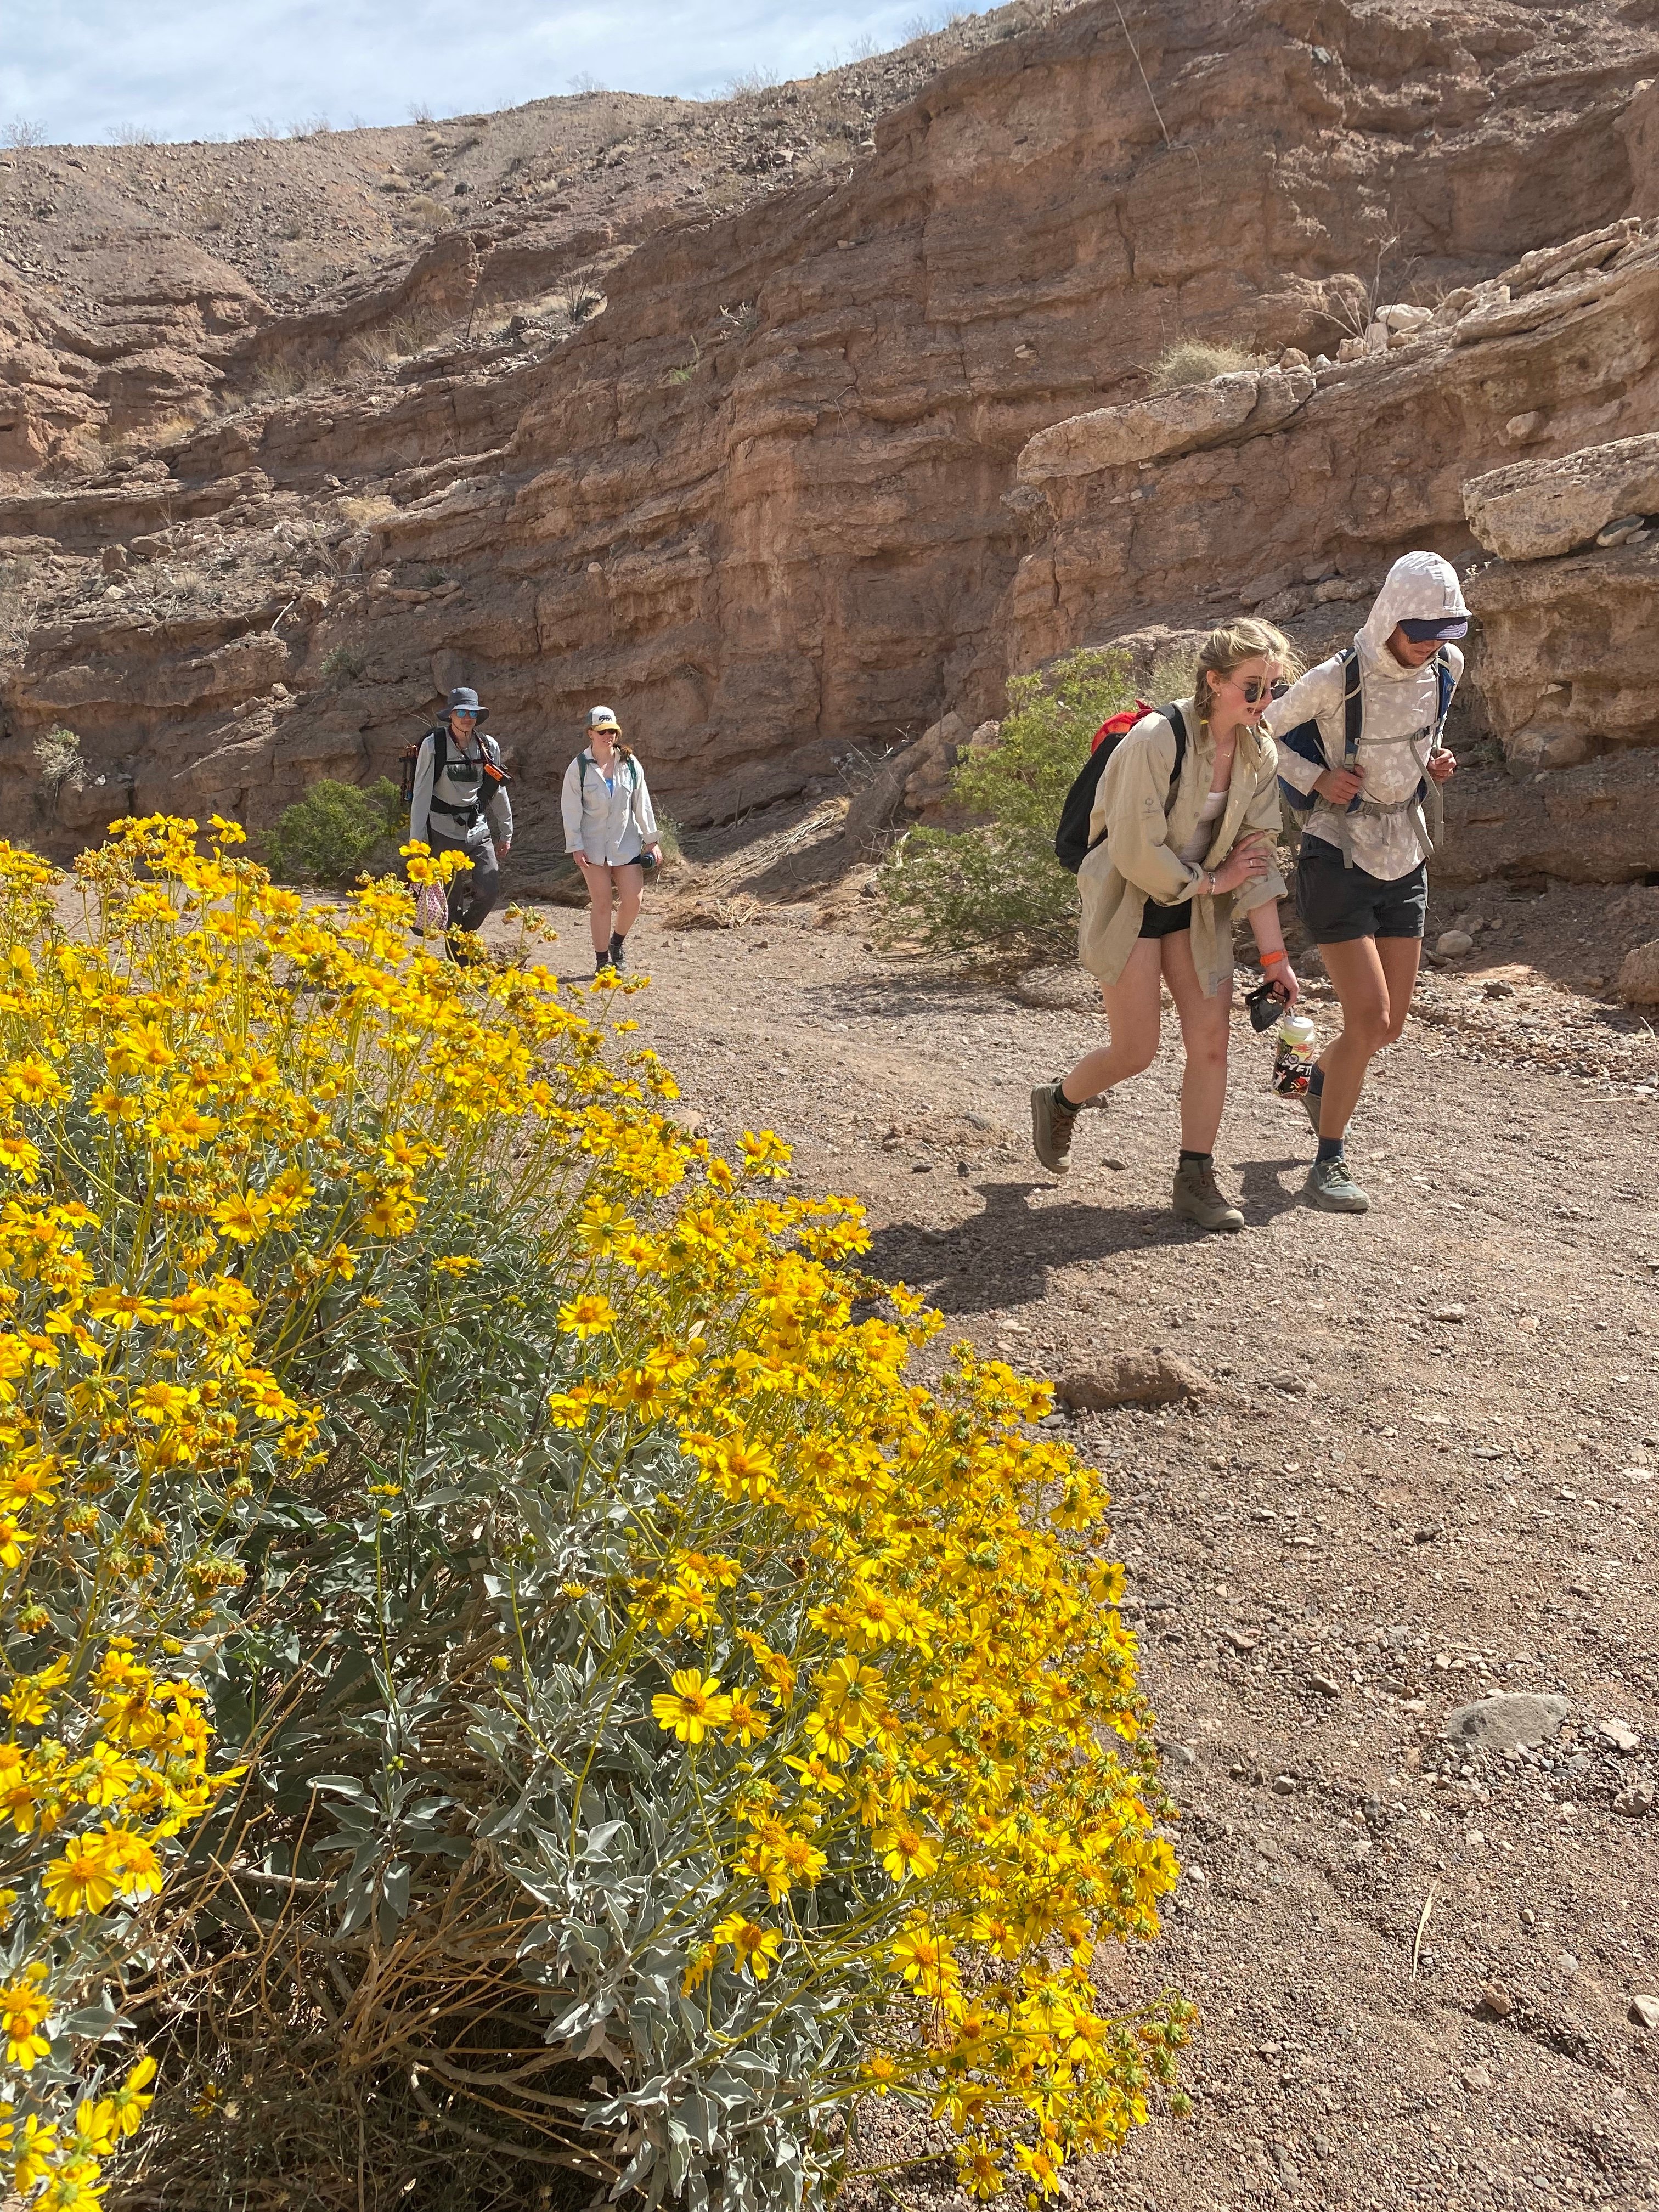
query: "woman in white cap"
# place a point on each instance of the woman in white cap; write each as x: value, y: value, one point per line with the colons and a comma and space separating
x: 609, y: 826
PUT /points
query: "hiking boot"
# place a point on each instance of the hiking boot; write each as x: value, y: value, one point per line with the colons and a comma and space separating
x: 1333, y: 1189
x: 1198, y: 1197
x: 617, y: 947
x: 1054, y: 1121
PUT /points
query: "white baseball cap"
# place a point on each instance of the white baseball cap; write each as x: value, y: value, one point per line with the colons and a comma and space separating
x: 601, y: 718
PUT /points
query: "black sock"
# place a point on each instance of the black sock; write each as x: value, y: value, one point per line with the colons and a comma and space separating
x: 1316, y: 1081
x: 1330, y: 1148
x: 1064, y: 1104
x: 1202, y: 1158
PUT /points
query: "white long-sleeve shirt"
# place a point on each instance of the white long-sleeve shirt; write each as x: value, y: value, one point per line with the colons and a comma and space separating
x: 608, y: 817
x: 1400, y: 722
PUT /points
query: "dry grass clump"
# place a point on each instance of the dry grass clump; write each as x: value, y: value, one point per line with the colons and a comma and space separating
x: 1196, y: 361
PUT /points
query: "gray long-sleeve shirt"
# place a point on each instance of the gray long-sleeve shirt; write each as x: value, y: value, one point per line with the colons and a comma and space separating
x: 479, y: 817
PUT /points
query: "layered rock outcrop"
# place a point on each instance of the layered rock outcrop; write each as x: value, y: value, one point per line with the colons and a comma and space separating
x: 767, y: 504
x: 1297, y: 510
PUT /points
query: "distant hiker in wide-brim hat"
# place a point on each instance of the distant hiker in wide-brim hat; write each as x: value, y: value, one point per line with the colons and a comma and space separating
x: 610, y: 833
x: 460, y: 805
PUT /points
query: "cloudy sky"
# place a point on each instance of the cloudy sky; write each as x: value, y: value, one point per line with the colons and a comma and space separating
x: 85, y: 70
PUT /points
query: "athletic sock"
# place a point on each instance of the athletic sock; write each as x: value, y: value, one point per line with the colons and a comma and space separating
x: 1330, y: 1148
x: 1200, y: 1159
x: 1316, y: 1081
x: 1062, y: 1103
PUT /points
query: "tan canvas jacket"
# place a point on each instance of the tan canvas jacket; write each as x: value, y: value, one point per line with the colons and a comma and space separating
x: 1139, y: 856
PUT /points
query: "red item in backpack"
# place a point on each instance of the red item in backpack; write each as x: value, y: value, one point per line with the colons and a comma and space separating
x: 1118, y: 726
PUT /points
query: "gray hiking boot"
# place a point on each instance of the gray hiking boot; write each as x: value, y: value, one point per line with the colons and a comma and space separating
x: 1333, y: 1189
x: 1053, y: 1120
x: 1198, y: 1197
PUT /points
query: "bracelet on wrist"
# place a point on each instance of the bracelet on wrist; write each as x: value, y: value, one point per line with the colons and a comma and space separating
x: 1273, y: 959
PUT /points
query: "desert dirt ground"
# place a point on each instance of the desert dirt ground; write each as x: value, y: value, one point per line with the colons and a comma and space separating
x: 1425, y: 1467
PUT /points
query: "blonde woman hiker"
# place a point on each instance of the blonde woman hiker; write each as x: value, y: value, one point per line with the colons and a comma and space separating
x: 1180, y: 839
x: 608, y: 828
x: 1360, y: 755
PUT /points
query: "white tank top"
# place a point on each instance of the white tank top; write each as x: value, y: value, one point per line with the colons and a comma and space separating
x: 1199, y: 843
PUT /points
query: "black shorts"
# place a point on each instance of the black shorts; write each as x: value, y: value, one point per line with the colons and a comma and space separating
x: 1338, y: 904
x: 1166, y: 920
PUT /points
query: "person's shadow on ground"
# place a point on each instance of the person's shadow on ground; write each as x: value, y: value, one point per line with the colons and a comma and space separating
x: 1263, y: 1193
x: 1004, y: 1255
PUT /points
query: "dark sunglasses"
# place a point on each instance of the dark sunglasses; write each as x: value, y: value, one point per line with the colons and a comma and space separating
x: 1256, y: 690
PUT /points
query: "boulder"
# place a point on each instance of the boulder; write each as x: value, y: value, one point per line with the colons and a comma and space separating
x: 872, y: 812
x: 1566, y: 655
x: 1509, y: 1720
x: 1598, y: 823
x: 1536, y: 510
x: 1638, y: 975
x: 1133, y: 1378
x: 927, y: 785
x: 1177, y: 422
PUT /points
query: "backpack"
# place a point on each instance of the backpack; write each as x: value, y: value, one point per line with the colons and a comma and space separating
x: 1072, y: 841
x: 1305, y: 740
x: 494, y: 773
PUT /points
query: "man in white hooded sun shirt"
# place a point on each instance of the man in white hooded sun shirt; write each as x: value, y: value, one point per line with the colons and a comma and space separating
x: 1359, y: 750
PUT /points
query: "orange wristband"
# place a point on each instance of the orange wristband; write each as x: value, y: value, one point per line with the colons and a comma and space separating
x: 1273, y: 959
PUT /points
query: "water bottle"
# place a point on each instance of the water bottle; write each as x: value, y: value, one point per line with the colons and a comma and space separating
x: 1293, y: 1060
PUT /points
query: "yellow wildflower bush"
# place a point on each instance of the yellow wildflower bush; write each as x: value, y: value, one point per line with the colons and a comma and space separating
x: 507, y: 1668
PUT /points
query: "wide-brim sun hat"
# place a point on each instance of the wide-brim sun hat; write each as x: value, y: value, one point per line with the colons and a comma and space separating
x: 464, y: 699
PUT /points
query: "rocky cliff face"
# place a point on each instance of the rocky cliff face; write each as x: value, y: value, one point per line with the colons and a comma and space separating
x: 1170, y: 511
x: 767, y: 504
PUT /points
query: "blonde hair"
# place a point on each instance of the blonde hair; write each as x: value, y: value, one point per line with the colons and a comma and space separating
x: 1228, y: 648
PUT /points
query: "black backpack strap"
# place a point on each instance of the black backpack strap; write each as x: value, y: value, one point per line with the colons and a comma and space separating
x: 1177, y: 721
x: 1354, y: 710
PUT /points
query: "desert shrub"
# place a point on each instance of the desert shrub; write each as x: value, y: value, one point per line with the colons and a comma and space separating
x: 343, y: 664
x: 58, y: 755
x: 278, y: 380
x: 998, y: 883
x: 338, y: 832
x: 1196, y: 361
x: 647, y: 1719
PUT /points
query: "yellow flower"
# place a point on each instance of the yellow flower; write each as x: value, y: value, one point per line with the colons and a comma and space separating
x: 746, y: 1721
x: 906, y: 1852
x: 765, y: 1154
x: 980, y: 2170
x: 23, y: 2006
x: 925, y: 1961
x: 588, y: 1315
x: 129, y: 2100
x: 693, y: 1708
x: 81, y: 1882
x: 757, y: 1948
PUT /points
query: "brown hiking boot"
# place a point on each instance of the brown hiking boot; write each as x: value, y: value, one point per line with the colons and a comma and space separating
x: 1053, y: 1119
x: 1198, y: 1197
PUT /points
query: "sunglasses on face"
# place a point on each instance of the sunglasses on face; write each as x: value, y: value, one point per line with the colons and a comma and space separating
x: 1259, y: 688
x: 462, y: 715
